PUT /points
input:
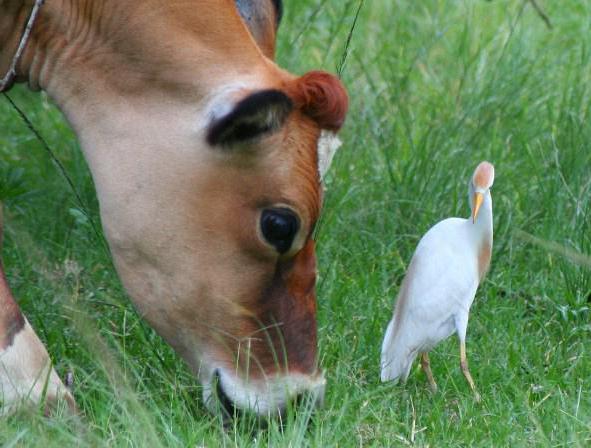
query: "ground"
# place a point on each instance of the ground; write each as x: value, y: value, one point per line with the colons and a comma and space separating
x: 436, y: 86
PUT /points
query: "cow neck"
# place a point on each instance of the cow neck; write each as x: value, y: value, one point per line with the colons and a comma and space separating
x: 85, y: 52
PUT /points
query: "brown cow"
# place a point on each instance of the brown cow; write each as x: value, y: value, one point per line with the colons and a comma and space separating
x: 204, y: 156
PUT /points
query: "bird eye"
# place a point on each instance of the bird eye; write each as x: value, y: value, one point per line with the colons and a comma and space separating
x: 279, y: 227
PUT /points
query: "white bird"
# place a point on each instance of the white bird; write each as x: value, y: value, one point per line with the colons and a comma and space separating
x: 435, y: 297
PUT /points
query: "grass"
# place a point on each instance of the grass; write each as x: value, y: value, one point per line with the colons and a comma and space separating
x: 436, y: 86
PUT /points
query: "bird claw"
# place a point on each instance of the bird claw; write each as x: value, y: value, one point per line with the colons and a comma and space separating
x: 477, y: 397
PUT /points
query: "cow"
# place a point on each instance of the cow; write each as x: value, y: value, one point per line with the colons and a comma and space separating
x: 204, y: 155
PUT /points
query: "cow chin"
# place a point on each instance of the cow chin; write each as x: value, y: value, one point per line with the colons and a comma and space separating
x: 224, y: 392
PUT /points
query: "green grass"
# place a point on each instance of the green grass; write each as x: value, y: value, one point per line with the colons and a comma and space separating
x: 436, y: 86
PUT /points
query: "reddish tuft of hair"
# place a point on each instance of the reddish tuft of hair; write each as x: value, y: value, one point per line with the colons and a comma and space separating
x: 322, y: 97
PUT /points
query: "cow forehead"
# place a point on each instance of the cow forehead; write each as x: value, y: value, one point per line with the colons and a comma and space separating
x: 300, y: 173
x: 239, y: 181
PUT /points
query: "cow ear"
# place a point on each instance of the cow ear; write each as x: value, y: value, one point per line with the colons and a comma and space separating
x: 259, y: 113
x: 322, y: 97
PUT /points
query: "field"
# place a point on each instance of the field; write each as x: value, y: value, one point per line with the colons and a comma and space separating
x: 436, y: 86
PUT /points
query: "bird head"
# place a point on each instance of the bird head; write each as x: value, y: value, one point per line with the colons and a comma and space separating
x: 482, y: 180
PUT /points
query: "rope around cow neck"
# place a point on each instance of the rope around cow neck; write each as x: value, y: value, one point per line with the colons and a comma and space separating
x: 6, y: 82
x: 60, y: 168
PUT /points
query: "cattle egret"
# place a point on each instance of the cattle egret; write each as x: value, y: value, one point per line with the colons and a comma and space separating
x: 439, y: 287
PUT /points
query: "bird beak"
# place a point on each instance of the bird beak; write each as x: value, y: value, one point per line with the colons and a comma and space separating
x: 478, y: 198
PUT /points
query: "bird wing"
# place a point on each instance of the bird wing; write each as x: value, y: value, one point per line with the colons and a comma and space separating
x: 442, y: 272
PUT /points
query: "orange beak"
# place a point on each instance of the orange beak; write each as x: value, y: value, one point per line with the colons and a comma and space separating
x: 478, y: 198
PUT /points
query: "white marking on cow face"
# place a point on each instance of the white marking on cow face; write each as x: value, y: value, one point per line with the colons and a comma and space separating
x: 268, y: 396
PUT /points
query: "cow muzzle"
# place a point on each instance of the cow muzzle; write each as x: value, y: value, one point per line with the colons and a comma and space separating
x: 268, y: 398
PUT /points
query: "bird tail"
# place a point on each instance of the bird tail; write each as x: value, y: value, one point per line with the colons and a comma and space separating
x: 396, y: 359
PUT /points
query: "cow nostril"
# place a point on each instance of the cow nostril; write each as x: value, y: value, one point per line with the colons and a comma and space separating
x: 227, y: 405
x: 301, y: 399
x: 307, y: 400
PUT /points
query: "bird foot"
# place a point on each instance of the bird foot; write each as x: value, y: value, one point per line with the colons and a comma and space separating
x: 433, y: 388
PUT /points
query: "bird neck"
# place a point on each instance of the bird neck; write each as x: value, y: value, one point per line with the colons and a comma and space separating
x: 483, y: 226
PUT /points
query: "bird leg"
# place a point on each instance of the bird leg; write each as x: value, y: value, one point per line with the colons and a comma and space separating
x: 466, y: 372
x: 426, y: 365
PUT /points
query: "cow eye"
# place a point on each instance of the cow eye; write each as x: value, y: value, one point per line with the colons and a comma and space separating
x: 279, y: 226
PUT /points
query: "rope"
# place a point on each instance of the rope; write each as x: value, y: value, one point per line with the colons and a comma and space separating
x: 59, y: 165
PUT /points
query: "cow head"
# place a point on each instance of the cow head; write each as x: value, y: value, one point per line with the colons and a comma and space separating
x: 215, y: 246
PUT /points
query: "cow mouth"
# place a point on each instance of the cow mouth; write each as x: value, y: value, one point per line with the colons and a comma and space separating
x: 307, y: 401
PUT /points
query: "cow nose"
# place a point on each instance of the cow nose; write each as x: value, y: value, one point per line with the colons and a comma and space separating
x: 308, y: 400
